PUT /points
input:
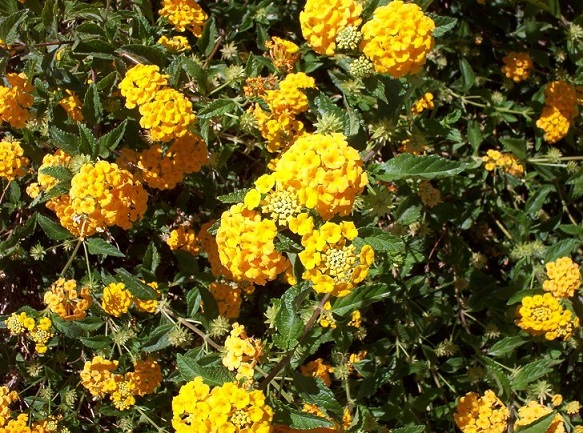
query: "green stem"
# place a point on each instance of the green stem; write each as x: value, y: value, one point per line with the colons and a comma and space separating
x: 73, y: 255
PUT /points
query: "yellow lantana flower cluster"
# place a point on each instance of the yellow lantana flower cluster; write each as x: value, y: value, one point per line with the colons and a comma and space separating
x: 284, y: 54
x: 104, y: 195
x: 325, y: 171
x: 175, y: 44
x: 279, y: 126
x: 21, y: 424
x: 533, y: 411
x: 228, y: 297
x: 332, y: 263
x: 318, y: 368
x: 517, y: 66
x: 38, y: 331
x: 481, y: 414
x: 425, y: 102
x: 64, y: 299
x: 241, y: 353
x: 12, y: 160
x: 16, y: 100
x: 209, y: 245
x: 559, y: 111
x: 397, y: 38
x: 321, y: 22
x: 44, y: 181
x: 117, y: 300
x: 246, y: 246
x: 225, y: 408
x: 72, y: 106
x: 505, y: 161
x: 544, y: 315
x: 6, y: 398
x: 564, y: 278
x: 184, y: 238
x: 99, y: 379
x: 165, y: 112
x: 184, y: 15
x: 164, y: 167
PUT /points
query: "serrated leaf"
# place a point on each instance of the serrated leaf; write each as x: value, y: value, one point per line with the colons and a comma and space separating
x: 536, y: 202
x: 212, y: 375
x: 360, y: 297
x: 98, y: 342
x: 102, y: 247
x: 88, y: 143
x: 288, y: 323
x: 498, y: 375
x: 136, y: 287
x: 560, y: 249
x: 442, y: 25
x: 58, y: 172
x: 408, y: 166
x: 151, y: 258
x: 95, y: 48
x: 234, y: 197
x: 9, y: 26
x: 285, y: 415
x: 506, y: 346
x: 68, y: 143
x: 92, y: 108
x: 410, y: 429
x: 158, y: 338
x: 531, y: 372
x: 52, y: 229
x: 217, y: 108
x: 109, y: 141
x: 515, y: 145
x: 468, y: 76
x: 314, y: 391
x: 541, y: 425
x: 143, y: 54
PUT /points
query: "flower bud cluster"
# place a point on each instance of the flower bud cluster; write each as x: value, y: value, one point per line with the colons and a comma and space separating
x: 38, y: 331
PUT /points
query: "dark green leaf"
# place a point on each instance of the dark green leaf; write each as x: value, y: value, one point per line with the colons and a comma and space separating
x: 158, y: 338
x: 109, y: 141
x: 98, y: 342
x: 506, y: 346
x: 144, y: 54
x: 151, y: 258
x: 88, y: 144
x: 212, y: 375
x: 468, y: 77
x: 234, y: 197
x: 541, y: 425
x: 287, y: 321
x: 533, y: 371
x: 53, y: 230
x: 95, y: 48
x: 102, y: 247
x: 314, y: 391
x: 92, y: 108
x: 69, y: 143
x: 285, y: 415
x: 410, y: 429
x: 217, y: 108
x: 9, y: 26
x: 560, y: 249
x: 408, y: 166
x: 442, y: 25
x: 359, y: 298
x: 136, y: 287
x: 58, y: 172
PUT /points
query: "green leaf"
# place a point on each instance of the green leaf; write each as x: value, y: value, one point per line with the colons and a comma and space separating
x: 97, y: 48
x: 68, y: 143
x: 100, y: 246
x: 88, y: 144
x: 541, y: 425
x: 143, y: 54
x: 515, y: 145
x: 314, y: 391
x: 92, y: 108
x: 288, y: 323
x: 98, y: 342
x: 474, y: 135
x: 380, y: 241
x: 551, y: 6
x: 137, y: 288
x: 518, y: 296
x: 360, y: 297
x: 217, y: 108
x: 151, y: 258
x: 468, y: 77
x: 209, y: 36
x: 58, y: 172
x: 410, y: 429
x: 407, y: 166
x: 442, y: 24
x: 158, y: 338
x: 531, y: 372
x: 560, y: 249
x: 536, y: 202
x: 234, y: 197
x: 496, y: 373
x: 506, y: 346
x: 9, y: 26
x: 109, y: 141
x: 285, y: 415
x: 212, y: 375
x: 52, y: 229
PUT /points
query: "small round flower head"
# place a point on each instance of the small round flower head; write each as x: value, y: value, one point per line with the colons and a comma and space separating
x: 481, y: 414
x: 184, y: 15
x: 167, y: 116
x: 321, y: 22
x: 398, y: 38
x: 241, y: 353
x: 564, y: 278
x: 175, y: 44
x: 559, y: 111
x: 361, y: 67
x: 280, y: 128
x: 97, y: 376
x: 184, y: 238
x: 533, y: 411
x: 67, y: 301
x: 332, y: 263
x: 15, y: 100
x: 6, y: 398
x: 544, y: 315
x: 425, y: 102
x: 517, y: 66
x: 225, y: 408
x: 140, y: 84
x: 505, y: 161
x: 146, y: 376
x: 12, y: 160
x: 72, y: 105
x: 554, y: 124
x: 317, y: 368
x: 228, y: 297
x: 289, y: 96
x: 116, y: 299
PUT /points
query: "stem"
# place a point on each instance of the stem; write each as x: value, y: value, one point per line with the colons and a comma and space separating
x: 287, y: 358
x: 194, y: 329
x: 4, y: 191
x: 73, y: 255
x: 214, y: 51
x: 87, y: 264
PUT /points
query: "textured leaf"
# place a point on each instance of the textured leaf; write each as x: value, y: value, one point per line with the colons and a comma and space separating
x: 137, y: 288
x: 212, y: 375
x: 217, y: 108
x: 561, y: 249
x: 143, y: 54
x: 285, y: 415
x: 109, y: 141
x: 410, y: 429
x: 406, y: 166
x: 360, y: 297
x: 497, y: 375
x: 541, y: 425
x: 97, y: 342
x: 287, y: 321
x: 58, y: 172
x: 92, y: 108
x: 314, y: 391
x: 52, y: 229
x: 234, y: 197
x: 442, y: 25
x: 506, y: 346
x: 9, y: 26
x: 158, y: 338
x: 69, y: 143
x: 531, y: 372
x: 468, y: 76
x: 102, y: 247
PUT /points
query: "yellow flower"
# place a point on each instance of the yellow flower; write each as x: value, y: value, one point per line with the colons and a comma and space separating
x: 322, y: 20
x: 544, y: 315
x: 289, y: 95
x: 141, y: 83
x: 398, y: 38
x: 559, y: 111
x: 146, y: 376
x: 425, y: 102
x: 284, y: 53
x: 148, y: 305
x: 6, y: 398
x: 64, y: 299
x: 175, y: 44
x: 564, y: 278
x: 16, y: 100
x: 505, y: 161
x: 209, y: 245
x: 72, y: 105
x: 97, y: 376
x: 228, y: 297
x: 532, y: 411
x: 317, y: 368
x: 116, y: 299
x: 241, y: 353
x: 184, y: 238
x: 481, y: 414
x: 184, y: 15
x: 554, y: 124
x: 12, y: 160
x: 517, y: 66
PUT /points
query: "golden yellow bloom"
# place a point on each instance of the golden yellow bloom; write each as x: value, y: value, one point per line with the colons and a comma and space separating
x: 481, y: 414
x: 64, y: 299
x: 6, y: 398
x: 544, y: 315
x: 227, y: 408
x: 122, y: 396
x: 325, y: 171
x: 554, y: 124
x: 184, y: 238
x: 116, y: 299
x: 45, y: 181
x: 532, y: 411
x: 228, y: 297
x: 241, y: 353
x: 16, y: 100
x: 279, y: 128
x: 559, y: 111
x: 246, y: 246
x: 517, y: 66
x: 72, y: 105
x: 167, y: 116
x: 184, y: 15
x: 425, y: 102
x: 332, y: 263
x: 289, y: 95
x: 573, y: 407
x: 97, y: 376
x: 430, y: 196
x: 210, y: 247
x: 564, y: 278
x: 283, y: 53
x: 104, y: 195
x: 175, y: 44
x: 12, y: 160
x: 146, y: 376
x: 317, y: 368
x: 398, y: 38
x: 505, y: 161
x: 19, y: 323
x: 322, y: 20
x: 141, y: 83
